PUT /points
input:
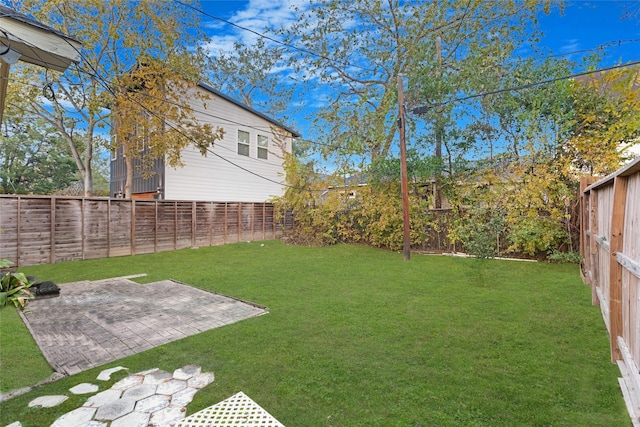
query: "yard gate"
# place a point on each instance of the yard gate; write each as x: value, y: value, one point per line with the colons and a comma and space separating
x: 49, y: 229
x: 610, y: 247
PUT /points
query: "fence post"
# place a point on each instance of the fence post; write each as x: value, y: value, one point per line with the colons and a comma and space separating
x: 226, y: 224
x: 175, y: 225
x: 239, y: 221
x: 133, y: 226
x: 593, y: 247
x: 52, y: 218
x: 83, y: 214
x: 109, y: 228
x: 615, y: 269
x: 155, y: 226
x: 193, y: 224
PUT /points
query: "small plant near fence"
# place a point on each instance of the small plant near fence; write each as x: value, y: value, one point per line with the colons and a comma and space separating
x: 14, y: 287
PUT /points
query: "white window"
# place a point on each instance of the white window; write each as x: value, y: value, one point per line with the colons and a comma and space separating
x: 243, y: 143
x: 263, y: 147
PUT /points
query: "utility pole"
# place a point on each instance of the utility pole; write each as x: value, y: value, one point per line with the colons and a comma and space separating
x: 403, y: 172
x: 438, y: 180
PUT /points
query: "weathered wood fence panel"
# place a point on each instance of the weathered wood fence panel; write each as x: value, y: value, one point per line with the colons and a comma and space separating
x: 610, y: 247
x: 45, y: 229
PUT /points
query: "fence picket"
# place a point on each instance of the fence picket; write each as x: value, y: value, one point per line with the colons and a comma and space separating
x: 49, y: 229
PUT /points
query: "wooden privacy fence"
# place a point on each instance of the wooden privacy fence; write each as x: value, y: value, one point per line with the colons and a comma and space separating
x: 45, y: 229
x: 610, y: 247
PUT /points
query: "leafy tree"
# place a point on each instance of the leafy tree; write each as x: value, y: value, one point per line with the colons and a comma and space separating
x: 606, y: 123
x: 116, y: 35
x: 363, y: 45
x: 34, y: 159
x: 251, y: 74
x: 150, y: 123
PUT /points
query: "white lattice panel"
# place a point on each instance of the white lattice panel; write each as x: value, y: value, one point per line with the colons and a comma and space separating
x: 238, y: 410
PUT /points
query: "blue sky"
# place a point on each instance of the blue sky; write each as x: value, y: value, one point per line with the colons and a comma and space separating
x: 581, y: 25
x: 585, y: 25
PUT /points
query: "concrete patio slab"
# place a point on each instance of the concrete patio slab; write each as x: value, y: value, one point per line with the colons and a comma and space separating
x: 93, y: 323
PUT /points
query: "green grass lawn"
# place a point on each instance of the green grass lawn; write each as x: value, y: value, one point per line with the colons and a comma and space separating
x: 358, y: 337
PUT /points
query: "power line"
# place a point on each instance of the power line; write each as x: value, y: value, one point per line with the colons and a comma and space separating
x: 602, y: 46
x: 424, y: 109
x: 271, y: 39
x: 184, y: 134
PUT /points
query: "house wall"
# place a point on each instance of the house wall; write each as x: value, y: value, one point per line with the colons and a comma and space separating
x: 225, y: 175
x: 148, y: 186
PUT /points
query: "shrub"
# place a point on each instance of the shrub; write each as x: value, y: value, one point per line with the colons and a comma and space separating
x: 14, y: 287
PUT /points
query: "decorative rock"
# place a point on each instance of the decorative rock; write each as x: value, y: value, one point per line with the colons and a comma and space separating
x: 186, y: 372
x: 201, y: 380
x: 115, y: 409
x: 77, y: 417
x: 156, y: 377
x: 15, y: 424
x: 134, y: 419
x: 106, y: 374
x: 128, y: 382
x: 141, y: 391
x: 183, y: 397
x: 170, y: 387
x: 167, y: 416
x: 84, y: 388
x: 103, y: 398
x: 153, y: 403
x: 47, y: 401
x: 94, y: 424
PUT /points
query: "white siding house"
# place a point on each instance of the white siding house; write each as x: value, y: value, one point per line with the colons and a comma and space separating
x: 245, y: 166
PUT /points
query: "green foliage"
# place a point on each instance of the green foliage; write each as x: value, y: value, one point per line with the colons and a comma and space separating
x: 34, y: 159
x: 14, y: 287
x: 479, y: 229
x: 365, y: 214
x: 115, y: 36
x: 565, y: 257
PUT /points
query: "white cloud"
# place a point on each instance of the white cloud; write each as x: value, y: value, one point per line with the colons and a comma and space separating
x: 570, y: 45
x: 258, y: 16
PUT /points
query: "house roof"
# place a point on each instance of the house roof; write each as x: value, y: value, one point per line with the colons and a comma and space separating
x: 251, y: 110
x: 36, y: 42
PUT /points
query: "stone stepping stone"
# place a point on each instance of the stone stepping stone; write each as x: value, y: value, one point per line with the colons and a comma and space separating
x: 77, y: 417
x: 84, y: 388
x: 152, y: 397
x: 106, y: 374
x: 201, y: 380
x: 186, y: 372
x: 47, y: 401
